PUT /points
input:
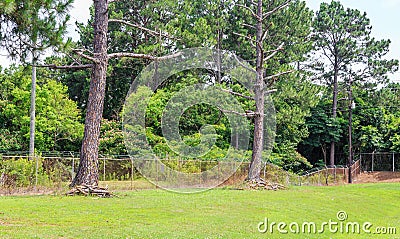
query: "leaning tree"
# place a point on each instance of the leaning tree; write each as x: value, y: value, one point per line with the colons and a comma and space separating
x: 98, y: 58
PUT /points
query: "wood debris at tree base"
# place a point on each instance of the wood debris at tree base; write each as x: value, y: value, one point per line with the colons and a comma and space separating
x: 90, y: 190
x: 261, y: 184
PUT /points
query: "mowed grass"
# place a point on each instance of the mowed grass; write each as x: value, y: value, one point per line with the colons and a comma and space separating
x: 218, y: 213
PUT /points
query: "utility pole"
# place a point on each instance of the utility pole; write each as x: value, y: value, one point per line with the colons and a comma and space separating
x: 32, y: 109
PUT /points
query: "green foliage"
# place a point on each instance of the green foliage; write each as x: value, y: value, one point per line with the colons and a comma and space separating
x: 58, y: 125
x: 21, y: 172
x: 27, y: 26
x: 344, y: 37
x: 293, y: 101
x: 287, y: 157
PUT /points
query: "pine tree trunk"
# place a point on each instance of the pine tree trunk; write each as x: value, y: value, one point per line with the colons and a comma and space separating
x: 258, y: 142
x: 88, y: 172
x: 334, y: 110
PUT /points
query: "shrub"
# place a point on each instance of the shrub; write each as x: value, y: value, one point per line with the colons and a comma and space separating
x: 21, y: 172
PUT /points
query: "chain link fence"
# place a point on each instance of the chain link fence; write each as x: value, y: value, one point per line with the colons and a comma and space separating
x: 59, y: 168
x: 380, y: 161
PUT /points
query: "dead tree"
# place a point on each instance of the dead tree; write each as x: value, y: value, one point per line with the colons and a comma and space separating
x: 261, y: 83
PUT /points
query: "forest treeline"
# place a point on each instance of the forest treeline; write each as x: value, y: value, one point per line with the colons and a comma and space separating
x: 329, y: 54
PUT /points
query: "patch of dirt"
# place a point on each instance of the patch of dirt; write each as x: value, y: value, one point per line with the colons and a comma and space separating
x: 378, y: 177
x: 30, y: 191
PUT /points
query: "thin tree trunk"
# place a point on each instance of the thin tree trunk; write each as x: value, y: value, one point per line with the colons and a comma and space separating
x: 334, y: 111
x: 323, y: 147
x: 350, y: 160
x: 88, y: 172
x: 258, y: 142
x: 32, y: 109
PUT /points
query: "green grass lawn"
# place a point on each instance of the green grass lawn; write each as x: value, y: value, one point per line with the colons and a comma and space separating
x: 218, y: 213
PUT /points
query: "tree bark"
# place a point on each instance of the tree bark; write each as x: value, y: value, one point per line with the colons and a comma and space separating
x: 88, y: 172
x: 258, y: 142
x: 334, y: 109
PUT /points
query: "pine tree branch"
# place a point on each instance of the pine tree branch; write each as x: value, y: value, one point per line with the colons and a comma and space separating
x: 250, y: 10
x: 53, y: 66
x: 151, y: 32
x: 131, y: 55
x: 248, y: 25
x: 249, y: 114
x: 80, y: 52
x: 280, y: 47
x: 277, y: 75
x: 267, y: 92
x: 251, y: 41
x: 266, y: 15
x: 237, y: 94
x: 142, y: 56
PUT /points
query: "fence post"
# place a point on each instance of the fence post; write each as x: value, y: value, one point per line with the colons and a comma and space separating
x: 36, y: 170
x: 131, y: 173
x: 265, y: 169
x: 104, y: 169
x: 393, y: 161
x: 372, y: 162
x: 73, y: 168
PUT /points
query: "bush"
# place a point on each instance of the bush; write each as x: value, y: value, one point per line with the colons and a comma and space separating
x: 21, y: 172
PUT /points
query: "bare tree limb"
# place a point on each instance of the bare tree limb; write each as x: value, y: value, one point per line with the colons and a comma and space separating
x: 251, y: 41
x: 267, y: 92
x: 243, y: 65
x: 277, y: 75
x: 142, y: 56
x: 280, y: 47
x: 152, y: 32
x: 276, y: 9
x: 248, y: 25
x: 53, y: 66
x: 237, y: 94
x: 249, y: 114
x: 80, y: 52
x: 265, y: 33
x: 250, y: 10
x: 131, y: 55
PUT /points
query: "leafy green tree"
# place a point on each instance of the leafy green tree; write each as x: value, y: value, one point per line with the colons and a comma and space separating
x: 59, y: 124
x: 27, y: 28
x: 322, y: 130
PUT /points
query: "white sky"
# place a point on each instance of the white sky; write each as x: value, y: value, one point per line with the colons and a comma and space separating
x: 384, y: 16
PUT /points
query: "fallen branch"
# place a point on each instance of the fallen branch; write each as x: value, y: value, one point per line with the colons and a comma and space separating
x: 90, y: 190
x: 261, y: 184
